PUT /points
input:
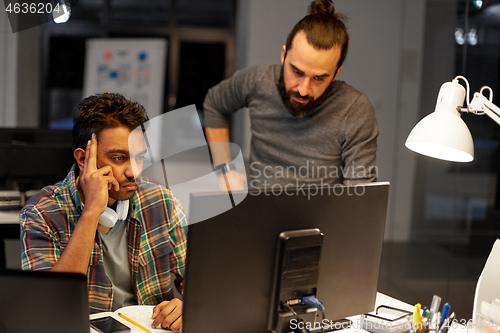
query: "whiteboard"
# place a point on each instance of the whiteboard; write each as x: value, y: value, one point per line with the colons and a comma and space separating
x: 134, y: 68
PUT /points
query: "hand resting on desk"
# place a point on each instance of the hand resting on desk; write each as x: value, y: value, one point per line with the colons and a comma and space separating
x: 168, y: 314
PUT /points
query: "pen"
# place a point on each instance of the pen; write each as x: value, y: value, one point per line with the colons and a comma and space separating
x: 434, y: 324
x: 134, y: 323
x: 425, y: 322
x: 447, y: 323
x: 436, y: 301
x: 446, y: 312
x: 417, y: 319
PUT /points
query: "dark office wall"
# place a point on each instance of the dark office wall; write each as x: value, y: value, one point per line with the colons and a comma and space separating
x: 28, y: 76
x: 19, y: 75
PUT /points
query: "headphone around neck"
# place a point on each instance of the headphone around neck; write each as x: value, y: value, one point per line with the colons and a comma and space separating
x: 109, y: 217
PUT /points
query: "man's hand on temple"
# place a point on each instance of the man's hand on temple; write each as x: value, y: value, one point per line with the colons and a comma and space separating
x: 95, y: 182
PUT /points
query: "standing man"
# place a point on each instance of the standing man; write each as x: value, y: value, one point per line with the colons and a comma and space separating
x: 125, y: 235
x: 307, y: 128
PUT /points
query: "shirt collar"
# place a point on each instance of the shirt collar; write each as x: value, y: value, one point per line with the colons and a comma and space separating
x: 73, y: 189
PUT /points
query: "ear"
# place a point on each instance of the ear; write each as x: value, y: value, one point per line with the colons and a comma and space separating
x: 283, y: 54
x: 338, y: 71
x: 79, y: 155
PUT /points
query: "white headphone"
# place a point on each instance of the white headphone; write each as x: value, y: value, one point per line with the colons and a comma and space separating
x: 109, y: 217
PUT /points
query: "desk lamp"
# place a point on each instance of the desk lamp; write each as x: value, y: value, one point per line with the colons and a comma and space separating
x: 443, y: 134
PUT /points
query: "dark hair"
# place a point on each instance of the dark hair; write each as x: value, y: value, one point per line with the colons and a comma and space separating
x: 102, y: 111
x: 323, y: 27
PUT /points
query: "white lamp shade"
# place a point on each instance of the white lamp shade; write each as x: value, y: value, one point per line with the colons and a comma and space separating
x: 442, y: 135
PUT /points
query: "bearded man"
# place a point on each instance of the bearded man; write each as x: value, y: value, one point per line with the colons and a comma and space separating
x: 307, y: 128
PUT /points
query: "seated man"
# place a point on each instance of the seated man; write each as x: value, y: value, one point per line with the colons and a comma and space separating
x: 63, y: 228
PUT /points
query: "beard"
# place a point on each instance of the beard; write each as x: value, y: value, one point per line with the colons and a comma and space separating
x: 300, y: 110
x: 123, y: 194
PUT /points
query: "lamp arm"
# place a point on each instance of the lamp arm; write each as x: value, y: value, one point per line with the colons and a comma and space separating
x: 467, y: 86
x: 481, y: 105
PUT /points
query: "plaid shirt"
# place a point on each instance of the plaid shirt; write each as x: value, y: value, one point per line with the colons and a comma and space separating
x: 156, y: 240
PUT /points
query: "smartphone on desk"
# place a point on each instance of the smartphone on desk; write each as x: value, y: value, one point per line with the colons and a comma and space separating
x: 108, y: 325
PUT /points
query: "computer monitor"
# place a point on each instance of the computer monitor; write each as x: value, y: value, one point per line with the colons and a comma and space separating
x: 231, y: 257
x: 43, y: 302
x: 33, y: 158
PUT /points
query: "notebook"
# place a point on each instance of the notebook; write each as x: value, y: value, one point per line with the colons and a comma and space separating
x: 43, y: 302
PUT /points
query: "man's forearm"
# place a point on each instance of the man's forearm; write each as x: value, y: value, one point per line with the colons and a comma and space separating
x: 218, y: 139
x: 76, y: 256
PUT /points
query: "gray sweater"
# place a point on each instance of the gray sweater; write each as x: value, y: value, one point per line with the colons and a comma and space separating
x: 336, y: 144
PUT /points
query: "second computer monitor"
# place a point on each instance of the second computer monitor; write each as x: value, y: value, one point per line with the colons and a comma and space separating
x: 231, y: 257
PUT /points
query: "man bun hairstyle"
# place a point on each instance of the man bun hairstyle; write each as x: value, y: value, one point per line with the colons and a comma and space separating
x: 318, y: 7
x: 101, y: 111
x: 323, y: 27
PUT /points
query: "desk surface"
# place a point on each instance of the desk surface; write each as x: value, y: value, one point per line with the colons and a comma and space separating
x: 381, y: 299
